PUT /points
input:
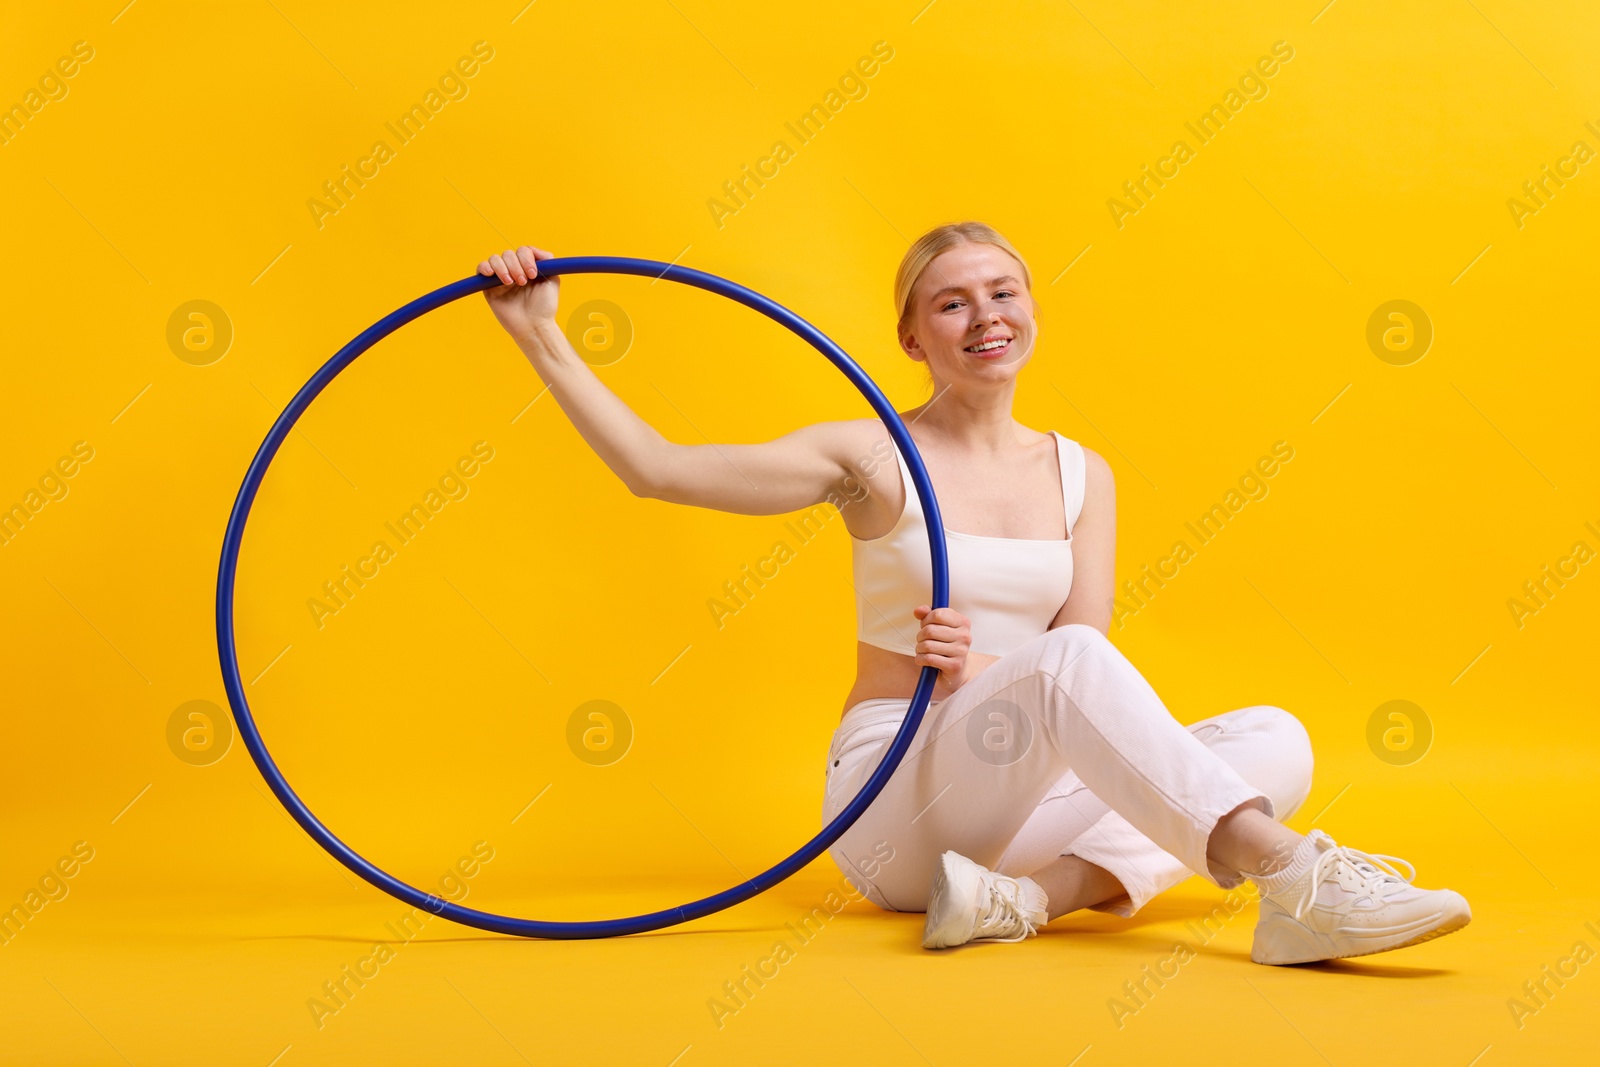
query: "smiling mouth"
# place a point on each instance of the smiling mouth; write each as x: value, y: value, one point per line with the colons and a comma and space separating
x: 990, y: 348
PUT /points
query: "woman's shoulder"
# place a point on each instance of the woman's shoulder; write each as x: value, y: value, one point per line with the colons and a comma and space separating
x: 869, y: 437
x: 860, y: 439
x: 859, y: 448
x: 1094, y: 463
x: 1099, y: 483
x: 1092, y: 460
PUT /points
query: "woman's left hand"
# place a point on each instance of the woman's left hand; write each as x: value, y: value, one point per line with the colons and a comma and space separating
x: 944, y: 641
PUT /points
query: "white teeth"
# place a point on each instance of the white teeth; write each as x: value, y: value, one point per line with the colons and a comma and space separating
x: 989, y: 345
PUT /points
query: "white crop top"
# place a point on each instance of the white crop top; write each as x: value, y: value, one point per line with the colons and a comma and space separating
x: 1010, y: 588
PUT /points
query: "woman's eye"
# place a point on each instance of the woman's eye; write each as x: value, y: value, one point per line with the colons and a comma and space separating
x: 1005, y: 292
x: 953, y: 303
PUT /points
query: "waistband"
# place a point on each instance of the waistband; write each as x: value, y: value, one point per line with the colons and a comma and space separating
x: 878, y: 709
x: 880, y: 715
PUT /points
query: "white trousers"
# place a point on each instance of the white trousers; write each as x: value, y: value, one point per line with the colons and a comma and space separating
x: 1059, y: 748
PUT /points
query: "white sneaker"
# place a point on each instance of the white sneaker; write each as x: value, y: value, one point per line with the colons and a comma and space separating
x: 1351, y: 903
x: 969, y: 902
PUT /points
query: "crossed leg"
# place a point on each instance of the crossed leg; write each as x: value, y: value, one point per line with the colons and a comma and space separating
x: 1086, y: 855
x: 985, y: 758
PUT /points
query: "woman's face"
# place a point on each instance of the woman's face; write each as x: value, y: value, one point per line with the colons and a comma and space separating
x: 971, y: 316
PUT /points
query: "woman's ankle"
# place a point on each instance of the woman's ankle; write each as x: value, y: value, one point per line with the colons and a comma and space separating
x: 1071, y: 883
x: 1251, y: 842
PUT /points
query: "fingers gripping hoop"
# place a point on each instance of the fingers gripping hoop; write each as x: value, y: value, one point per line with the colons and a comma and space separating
x: 483, y: 920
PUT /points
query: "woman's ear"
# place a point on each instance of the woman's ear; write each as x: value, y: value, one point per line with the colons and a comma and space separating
x: 909, y: 345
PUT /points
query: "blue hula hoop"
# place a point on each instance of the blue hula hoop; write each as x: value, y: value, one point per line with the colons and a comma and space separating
x: 484, y: 920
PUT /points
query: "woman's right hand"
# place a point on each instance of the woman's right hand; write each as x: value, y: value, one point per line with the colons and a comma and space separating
x: 523, y: 300
x: 945, y: 642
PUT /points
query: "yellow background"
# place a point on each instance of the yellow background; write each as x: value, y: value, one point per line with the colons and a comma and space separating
x: 1229, y: 313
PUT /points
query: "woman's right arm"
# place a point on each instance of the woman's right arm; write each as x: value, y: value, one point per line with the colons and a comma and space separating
x: 774, y: 477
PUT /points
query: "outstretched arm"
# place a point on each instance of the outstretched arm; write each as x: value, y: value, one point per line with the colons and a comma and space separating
x: 786, y: 474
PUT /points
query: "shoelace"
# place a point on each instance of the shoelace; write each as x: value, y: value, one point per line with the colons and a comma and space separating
x: 1373, y: 867
x: 1005, y: 909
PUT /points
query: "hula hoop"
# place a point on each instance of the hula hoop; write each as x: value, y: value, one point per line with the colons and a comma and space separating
x: 484, y: 920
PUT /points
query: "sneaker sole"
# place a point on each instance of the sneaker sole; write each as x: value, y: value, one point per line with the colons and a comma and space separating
x: 1436, y: 925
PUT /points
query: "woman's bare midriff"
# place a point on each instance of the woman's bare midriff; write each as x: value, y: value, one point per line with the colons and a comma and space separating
x: 881, y: 673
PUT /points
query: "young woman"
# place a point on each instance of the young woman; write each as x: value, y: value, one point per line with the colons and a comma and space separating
x: 1046, y: 776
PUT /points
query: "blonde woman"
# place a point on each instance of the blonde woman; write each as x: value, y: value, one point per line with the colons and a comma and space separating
x: 1046, y: 776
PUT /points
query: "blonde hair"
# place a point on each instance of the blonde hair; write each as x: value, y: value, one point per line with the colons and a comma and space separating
x: 941, y: 239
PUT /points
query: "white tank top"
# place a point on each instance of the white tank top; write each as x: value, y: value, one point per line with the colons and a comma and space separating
x: 1010, y: 588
